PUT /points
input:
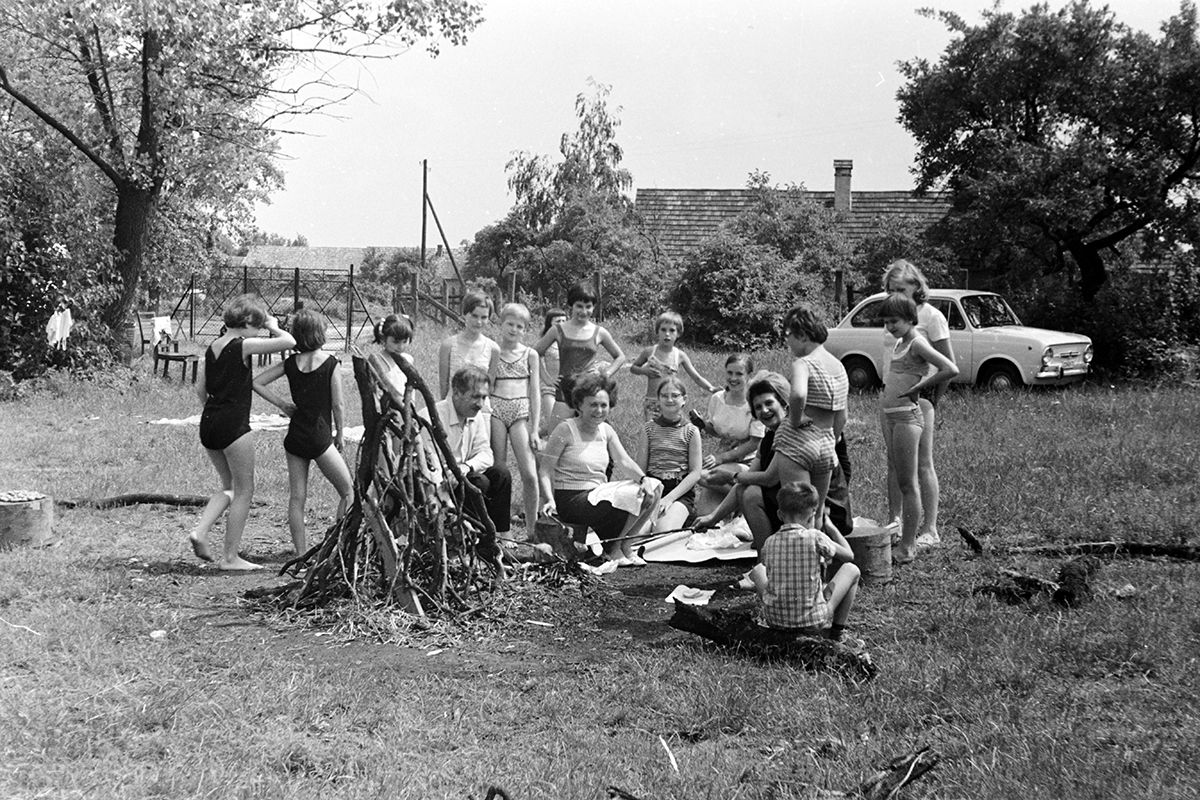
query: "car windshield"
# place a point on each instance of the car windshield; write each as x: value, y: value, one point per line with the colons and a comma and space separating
x: 988, y: 311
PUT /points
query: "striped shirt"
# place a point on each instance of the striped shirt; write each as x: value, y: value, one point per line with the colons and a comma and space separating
x: 828, y: 386
x: 795, y: 595
x: 667, y: 445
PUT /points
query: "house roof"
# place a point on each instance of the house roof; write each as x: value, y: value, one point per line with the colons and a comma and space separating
x: 680, y: 219
x: 339, y: 259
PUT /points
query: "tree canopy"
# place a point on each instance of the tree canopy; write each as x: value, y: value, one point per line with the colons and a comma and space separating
x: 178, y: 104
x: 572, y: 217
x: 1062, y: 134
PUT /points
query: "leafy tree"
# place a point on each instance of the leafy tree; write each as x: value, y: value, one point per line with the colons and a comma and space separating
x: 573, y: 218
x: 1062, y: 134
x: 735, y: 287
x: 173, y: 100
x: 894, y: 237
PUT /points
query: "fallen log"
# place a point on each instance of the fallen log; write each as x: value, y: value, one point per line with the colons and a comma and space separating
x: 1111, y: 548
x: 737, y: 630
x: 1071, y: 589
x: 137, y: 498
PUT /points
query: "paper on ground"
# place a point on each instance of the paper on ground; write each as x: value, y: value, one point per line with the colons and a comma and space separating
x: 693, y: 597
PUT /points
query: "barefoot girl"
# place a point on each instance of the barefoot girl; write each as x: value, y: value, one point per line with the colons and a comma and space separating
x: 579, y: 341
x: 903, y: 420
x: 315, y: 380
x: 738, y: 432
x: 516, y: 395
x: 804, y: 443
x: 225, y: 388
x: 549, y: 373
x: 903, y: 276
x: 470, y: 346
x: 671, y: 452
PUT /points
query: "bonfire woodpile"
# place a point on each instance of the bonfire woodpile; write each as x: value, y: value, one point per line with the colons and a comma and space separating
x: 417, y: 534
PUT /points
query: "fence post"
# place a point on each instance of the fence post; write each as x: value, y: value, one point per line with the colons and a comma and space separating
x: 295, y: 288
x: 245, y: 279
x: 350, y: 307
x: 512, y: 286
x: 416, y: 289
x: 599, y: 282
x: 192, y: 308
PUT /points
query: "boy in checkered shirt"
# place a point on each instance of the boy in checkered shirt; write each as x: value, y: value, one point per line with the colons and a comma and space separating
x: 789, y: 579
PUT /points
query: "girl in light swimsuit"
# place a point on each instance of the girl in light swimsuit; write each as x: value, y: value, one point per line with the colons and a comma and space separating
x: 903, y: 420
x: 516, y: 378
x: 579, y: 341
x: 470, y: 347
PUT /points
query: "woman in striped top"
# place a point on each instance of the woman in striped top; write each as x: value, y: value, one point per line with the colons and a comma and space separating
x: 671, y: 452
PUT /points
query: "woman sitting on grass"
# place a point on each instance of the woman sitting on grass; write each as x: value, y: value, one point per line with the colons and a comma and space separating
x: 738, y: 432
x: 575, y: 462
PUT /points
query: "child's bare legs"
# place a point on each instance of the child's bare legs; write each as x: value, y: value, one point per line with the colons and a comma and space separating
x: 334, y: 468
x: 790, y: 471
x: 547, y: 423
x: 754, y: 509
x: 499, y: 437
x: 903, y: 441
x: 527, y: 468
x: 217, y: 503
x: 840, y: 593
x: 672, y: 519
x: 240, y: 456
x: 927, y: 479
x: 297, y: 499
x: 638, y: 523
x: 755, y: 579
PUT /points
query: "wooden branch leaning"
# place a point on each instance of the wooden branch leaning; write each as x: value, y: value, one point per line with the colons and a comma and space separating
x: 417, y: 534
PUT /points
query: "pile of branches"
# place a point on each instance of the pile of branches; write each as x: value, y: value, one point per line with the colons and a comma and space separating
x: 417, y: 534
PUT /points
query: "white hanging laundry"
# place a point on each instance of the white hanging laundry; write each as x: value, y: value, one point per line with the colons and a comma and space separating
x: 59, y: 328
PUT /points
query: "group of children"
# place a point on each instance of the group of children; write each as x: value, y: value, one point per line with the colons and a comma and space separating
x: 530, y: 396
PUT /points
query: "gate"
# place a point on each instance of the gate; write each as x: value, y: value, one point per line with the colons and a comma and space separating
x: 330, y: 292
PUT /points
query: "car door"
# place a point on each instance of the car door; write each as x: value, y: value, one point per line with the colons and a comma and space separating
x: 961, y: 340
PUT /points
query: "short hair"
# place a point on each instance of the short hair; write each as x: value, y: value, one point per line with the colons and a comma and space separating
x: 308, y: 327
x: 768, y: 383
x: 804, y: 320
x: 899, y: 305
x: 672, y: 382
x: 395, y: 326
x: 797, y: 499
x: 669, y: 316
x: 582, y: 292
x: 468, y: 378
x: 589, y: 384
x: 906, y: 272
x: 243, y: 311
x: 517, y: 310
x: 552, y: 315
x: 474, y: 298
x: 745, y: 359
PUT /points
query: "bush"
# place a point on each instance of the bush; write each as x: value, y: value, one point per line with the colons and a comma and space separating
x: 732, y: 294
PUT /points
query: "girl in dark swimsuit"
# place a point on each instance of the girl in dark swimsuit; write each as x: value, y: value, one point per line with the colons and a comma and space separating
x: 315, y: 380
x: 225, y: 389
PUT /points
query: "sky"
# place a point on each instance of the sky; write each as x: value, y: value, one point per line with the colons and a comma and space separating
x: 708, y: 91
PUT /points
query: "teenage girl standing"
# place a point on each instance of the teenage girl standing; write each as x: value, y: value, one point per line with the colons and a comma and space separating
x: 314, y: 378
x: 225, y: 388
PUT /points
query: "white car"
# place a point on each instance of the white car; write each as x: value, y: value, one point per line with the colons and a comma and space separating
x: 991, y: 346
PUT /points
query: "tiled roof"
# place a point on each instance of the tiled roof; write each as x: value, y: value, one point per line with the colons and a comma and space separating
x: 680, y: 219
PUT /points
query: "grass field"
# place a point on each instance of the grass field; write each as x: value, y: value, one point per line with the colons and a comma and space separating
x: 238, y: 700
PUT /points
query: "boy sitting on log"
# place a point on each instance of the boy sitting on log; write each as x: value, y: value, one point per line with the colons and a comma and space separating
x: 792, y: 593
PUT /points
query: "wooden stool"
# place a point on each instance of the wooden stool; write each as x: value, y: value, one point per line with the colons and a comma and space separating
x: 181, y: 358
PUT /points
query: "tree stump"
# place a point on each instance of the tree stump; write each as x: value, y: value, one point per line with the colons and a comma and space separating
x: 26, y: 518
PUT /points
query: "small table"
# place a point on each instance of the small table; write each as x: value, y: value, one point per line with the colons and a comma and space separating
x: 181, y: 358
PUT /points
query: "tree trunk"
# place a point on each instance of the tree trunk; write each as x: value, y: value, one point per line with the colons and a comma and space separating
x: 135, y: 207
x: 1092, y: 274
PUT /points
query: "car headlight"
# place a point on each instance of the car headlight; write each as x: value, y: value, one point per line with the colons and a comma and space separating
x: 1087, y: 355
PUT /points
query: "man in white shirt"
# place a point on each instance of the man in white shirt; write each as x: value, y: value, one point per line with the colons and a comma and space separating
x: 468, y: 432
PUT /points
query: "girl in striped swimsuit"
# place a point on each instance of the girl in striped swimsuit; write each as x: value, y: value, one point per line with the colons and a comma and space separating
x: 515, y: 377
x: 671, y: 452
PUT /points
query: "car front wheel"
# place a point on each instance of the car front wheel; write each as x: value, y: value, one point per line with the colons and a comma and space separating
x: 1001, y: 378
x: 861, y: 373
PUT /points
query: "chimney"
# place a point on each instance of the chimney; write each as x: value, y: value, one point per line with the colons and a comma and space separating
x: 841, y: 184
